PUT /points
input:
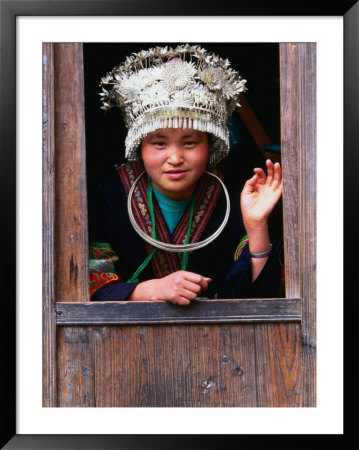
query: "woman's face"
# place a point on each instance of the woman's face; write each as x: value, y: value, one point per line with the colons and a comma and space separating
x: 175, y: 159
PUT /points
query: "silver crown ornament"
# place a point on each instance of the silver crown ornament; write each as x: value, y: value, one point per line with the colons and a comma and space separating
x: 185, y: 87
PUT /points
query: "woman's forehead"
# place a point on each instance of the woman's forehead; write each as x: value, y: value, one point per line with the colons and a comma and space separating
x: 166, y: 133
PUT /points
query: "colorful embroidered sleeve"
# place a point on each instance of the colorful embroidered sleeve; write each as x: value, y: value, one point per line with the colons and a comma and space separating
x: 101, y: 264
x: 240, y: 247
x: 273, y: 271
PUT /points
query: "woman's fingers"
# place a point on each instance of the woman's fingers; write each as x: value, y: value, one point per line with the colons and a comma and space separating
x: 277, y: 179
x: 261, y: 175
x: 274, y: 174
x: 186, y: 286
x: 273, y: 177
x: 195, y: 282
x: 250, y: 185
x: 181, y: 301
x: 270, y: 172
x: 205, y: 282
x: 192, y: 287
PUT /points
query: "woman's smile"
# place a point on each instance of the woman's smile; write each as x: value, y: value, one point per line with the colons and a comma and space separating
x: 176, y: 174
x: 175, y: 159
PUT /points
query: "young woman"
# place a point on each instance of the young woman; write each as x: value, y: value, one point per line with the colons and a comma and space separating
x: 167, y: 226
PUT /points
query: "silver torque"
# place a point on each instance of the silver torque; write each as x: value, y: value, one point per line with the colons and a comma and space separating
x: 177, y: 248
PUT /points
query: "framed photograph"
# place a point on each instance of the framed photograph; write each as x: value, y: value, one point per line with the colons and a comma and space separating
x: 210, y: 361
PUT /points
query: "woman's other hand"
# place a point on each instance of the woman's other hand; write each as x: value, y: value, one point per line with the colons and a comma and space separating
x: 260, y: 194
x: 258, y: 198
x: 180, y: 288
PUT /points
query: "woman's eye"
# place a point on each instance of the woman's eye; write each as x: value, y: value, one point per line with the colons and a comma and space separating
x: 159, y: 144
x: 190, y: 144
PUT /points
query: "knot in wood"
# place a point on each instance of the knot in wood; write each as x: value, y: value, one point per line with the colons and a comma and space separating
x: 225, y: 360
x: 208, y: 385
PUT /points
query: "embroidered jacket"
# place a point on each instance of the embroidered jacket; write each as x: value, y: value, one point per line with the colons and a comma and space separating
x: 116, y: 250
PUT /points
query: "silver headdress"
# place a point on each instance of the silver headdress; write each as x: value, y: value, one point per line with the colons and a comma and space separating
x: 185, y: 87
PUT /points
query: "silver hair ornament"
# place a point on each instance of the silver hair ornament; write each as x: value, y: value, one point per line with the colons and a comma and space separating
x: 185, y: 87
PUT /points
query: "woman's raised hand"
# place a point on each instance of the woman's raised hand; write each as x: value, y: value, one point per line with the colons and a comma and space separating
x: 260, y: 194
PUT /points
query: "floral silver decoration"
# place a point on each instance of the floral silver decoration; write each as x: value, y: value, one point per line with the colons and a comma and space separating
x: 185, y: 87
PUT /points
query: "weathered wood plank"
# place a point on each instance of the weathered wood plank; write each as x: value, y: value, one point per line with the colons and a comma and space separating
x: 75, y: 362
x: 290, y: 104
x: 307, y: 211
x: 278, y: 365
x: 226, y: 367
x: 180, y: 366
x: 116, y: 366
x: 71, y: 232
x: 201, y: 311
x: 174, y: 366
x: 48, y: 245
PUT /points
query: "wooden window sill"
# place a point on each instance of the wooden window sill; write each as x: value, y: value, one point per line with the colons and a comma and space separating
x: 200, y: 311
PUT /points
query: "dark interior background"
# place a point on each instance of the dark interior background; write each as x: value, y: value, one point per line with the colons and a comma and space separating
x: 258, y: 63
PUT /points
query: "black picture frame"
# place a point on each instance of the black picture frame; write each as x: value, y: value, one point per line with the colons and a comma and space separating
x: 9, y: 10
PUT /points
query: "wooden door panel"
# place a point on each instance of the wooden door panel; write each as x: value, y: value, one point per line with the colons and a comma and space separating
x: 157, y: 365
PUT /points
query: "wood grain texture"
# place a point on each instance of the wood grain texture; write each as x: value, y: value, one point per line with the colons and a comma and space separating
x: 76, y: 382
x: 48, y: 245
x: 201, y: 311
x: 157, y: 366
x: 290, y: 123
x: 307, y: 211
x: 71, y: 233
x: 278, y: 365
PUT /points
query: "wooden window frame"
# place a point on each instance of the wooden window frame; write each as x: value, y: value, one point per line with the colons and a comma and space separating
x: 65, y: 246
